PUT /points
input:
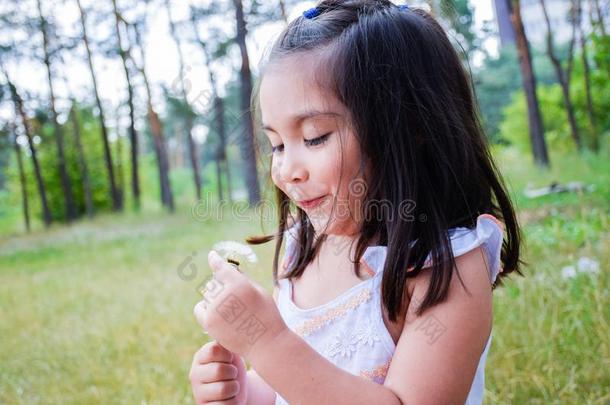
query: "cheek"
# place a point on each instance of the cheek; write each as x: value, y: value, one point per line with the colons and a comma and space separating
x: 351, y: 166
x: 275, y: 173
x: 276, y: 166
x: 334, y: 160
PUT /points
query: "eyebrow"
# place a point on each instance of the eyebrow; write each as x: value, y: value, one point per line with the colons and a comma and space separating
x: 305, y: 115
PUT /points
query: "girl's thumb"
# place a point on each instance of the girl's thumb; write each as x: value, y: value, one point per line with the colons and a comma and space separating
x: 224, y: 350
x: 214, y: 259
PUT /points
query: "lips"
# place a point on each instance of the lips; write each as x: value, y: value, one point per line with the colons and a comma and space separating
x: 311, y: 203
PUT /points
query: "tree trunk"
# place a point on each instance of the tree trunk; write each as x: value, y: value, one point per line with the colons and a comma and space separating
x: 563, y: 76
x: 222, y: 147
x: 82, y: 161
x: 221, y: 155
x: 20, y: 111
x: 133, y: 135
x: 22, y: 181
x: 194, y: 158
x: 189, y: 120
x: 61, y: 160
x: 587, y: 83
x: 156, y: 129
x: 229, y: 183
x: 167, y: 197
x: 219, y: 178
x: 283, y: 11
x: 120, y: 179
x: 247, y: 141
x: 117, y: 203
x: 536, y: 127
x: 600, y: 17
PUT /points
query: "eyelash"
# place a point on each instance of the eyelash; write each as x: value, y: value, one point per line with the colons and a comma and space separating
x: 312, y: 142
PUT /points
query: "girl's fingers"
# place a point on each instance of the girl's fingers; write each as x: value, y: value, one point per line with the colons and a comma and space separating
x: 232, y: 401
x: 213, y: 372
x: 199, y: 312
x: 213, y: 352
x: 217, y: 391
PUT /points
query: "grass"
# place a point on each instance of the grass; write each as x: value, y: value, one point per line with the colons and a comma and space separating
x: 97, y: 313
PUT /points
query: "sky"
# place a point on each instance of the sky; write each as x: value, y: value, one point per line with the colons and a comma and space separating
x: 161, y: 62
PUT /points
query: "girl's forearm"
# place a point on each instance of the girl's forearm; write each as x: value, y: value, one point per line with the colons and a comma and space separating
x: 303, y: 376
x: 259, y: 393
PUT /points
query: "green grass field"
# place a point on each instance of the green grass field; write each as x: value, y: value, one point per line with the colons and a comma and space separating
x: 96, y: 312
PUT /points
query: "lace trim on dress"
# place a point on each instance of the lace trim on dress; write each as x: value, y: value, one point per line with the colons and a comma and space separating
x: 317, y: 322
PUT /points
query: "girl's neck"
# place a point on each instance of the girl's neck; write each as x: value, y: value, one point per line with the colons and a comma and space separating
x: 343, y: 245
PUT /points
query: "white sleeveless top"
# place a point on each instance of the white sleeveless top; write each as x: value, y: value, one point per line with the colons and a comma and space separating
x: 349, y: 330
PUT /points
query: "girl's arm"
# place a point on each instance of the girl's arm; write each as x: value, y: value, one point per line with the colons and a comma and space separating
x: 259, y: 393
x: 435, y: 359
x: 303, y: 376
x: 439, y: 351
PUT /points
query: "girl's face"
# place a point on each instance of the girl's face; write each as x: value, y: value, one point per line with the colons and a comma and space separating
x: 314, y: 151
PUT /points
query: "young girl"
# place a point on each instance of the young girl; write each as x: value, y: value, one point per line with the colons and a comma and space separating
x: 402, y: 224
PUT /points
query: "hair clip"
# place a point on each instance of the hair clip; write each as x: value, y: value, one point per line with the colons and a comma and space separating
x: 403, y: 7
x: 311, y: 13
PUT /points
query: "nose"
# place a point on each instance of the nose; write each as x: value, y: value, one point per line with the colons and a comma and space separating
x: 292, y: 168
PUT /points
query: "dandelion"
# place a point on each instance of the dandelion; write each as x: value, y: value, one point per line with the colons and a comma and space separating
x: 568, y: 272
x: 588, y: 265
x: 233, y: 252
x: 236, y: 253
x: 583, y: 265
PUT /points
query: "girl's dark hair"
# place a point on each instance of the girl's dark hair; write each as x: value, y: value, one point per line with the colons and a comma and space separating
x: 414, y: 115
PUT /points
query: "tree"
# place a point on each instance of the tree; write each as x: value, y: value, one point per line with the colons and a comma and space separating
x: 61, y: 160
x: 247, y: 141
x: 22, y: 180
x: 536, y: 130
x: 20, y: 112
x: 82, y: 160
x: 283, y: 11
x: 460, y: 15
x: 218, y: 107
x: 594, y: 5
x: 156, y: 129
x: 563, y: 76
x: 120, y: 178
x: 192, y: 148
x: 80, y: 151
x: 133, y: 135
x: 586, y: 77
x: 117, y: 202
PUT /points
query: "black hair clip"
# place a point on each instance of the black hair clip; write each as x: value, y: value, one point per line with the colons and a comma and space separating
x: 311, y: 13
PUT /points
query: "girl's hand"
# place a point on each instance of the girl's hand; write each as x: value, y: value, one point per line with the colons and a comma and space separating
x: 237, y: 312
x: 218, y: 375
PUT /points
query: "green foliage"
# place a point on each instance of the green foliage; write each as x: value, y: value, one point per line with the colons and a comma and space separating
x: 460, y: 15
x: 515, y: 128
x: 233, y: 131
x: 601, y: 50
x: 6, y: 149
x: 497, y: 80
x: 494, y: 83
x: 47, y: 154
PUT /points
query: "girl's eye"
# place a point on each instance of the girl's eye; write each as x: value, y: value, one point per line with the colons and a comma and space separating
x: 318, y: 141
x: 311, y: 142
